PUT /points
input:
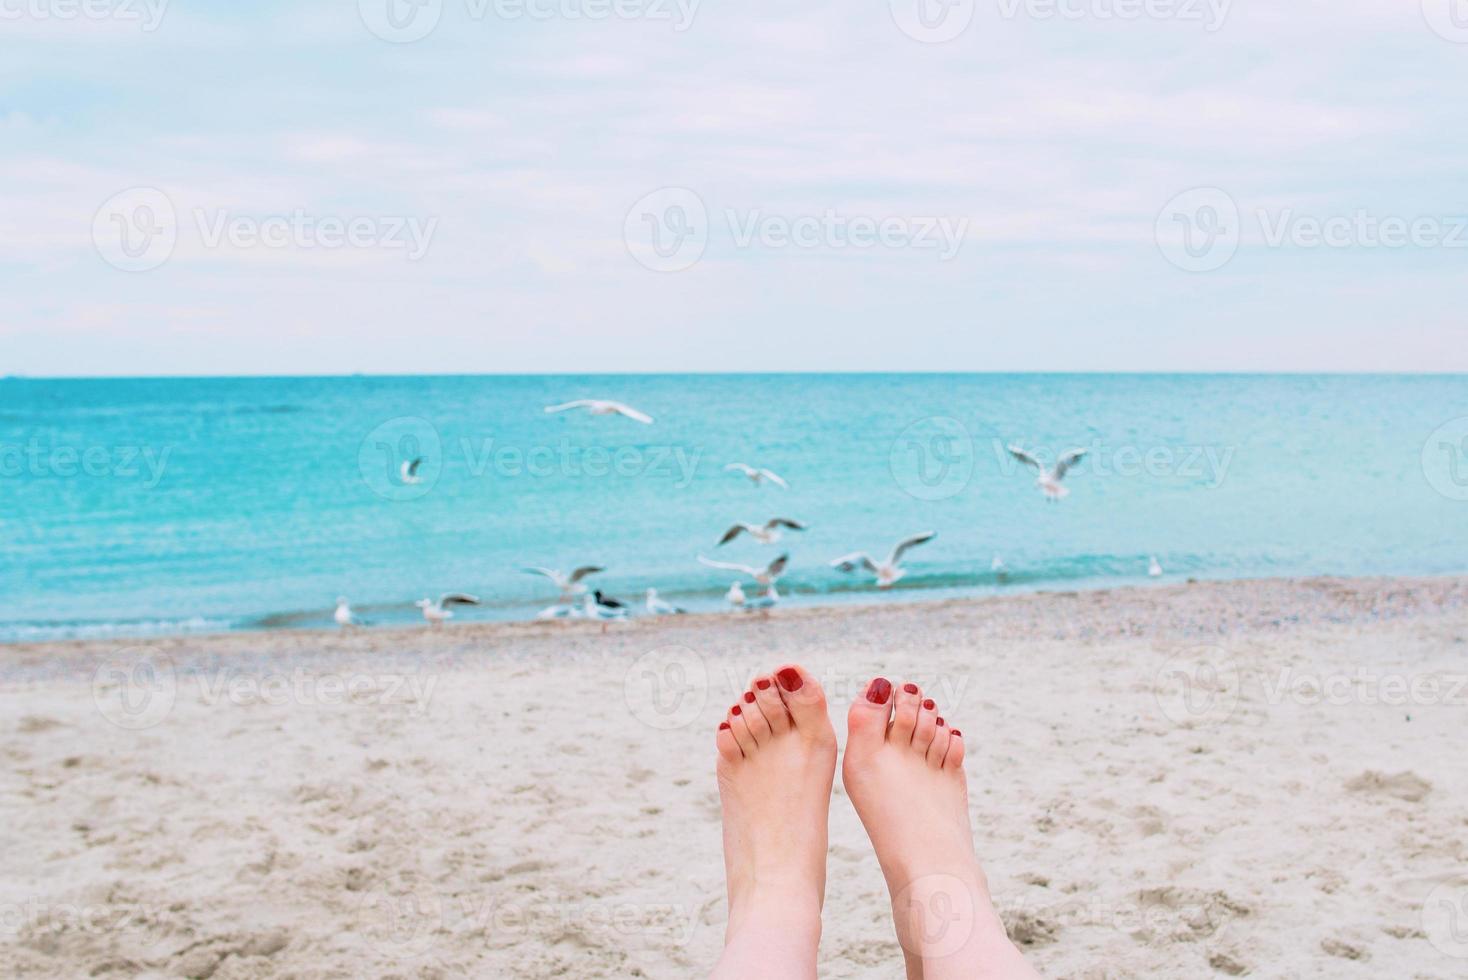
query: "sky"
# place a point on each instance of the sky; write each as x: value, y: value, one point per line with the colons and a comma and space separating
x: 524, y: 186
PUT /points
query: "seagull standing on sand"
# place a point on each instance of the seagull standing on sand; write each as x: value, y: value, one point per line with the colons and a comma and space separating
x: 766, y: 533
x: 437, y: 612
x: 657, y: 606
x: 597, y: 406
x: 764, y: 576
x: 571, y: 585
x: 735, y: 596
x: 758, y: 476
x: 408, y: 472
x: 594, y: 609
x: 1154, y: 567
x: 889, y: 571
x: 559, y: 611
x: 343, y: 615
x: 764, y: 603
x: 1049, y: 480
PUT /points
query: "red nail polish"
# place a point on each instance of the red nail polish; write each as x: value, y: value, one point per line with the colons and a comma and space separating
x: 723, y: 726
x: 940, y: 721
x: 736, y: 710
x: 910, y: 688
x: 763, y: 684
x: 749, y: 697
x: 956, y: 733
x: 879, y: 691
x: 929, y: 704
x: 789, y: 679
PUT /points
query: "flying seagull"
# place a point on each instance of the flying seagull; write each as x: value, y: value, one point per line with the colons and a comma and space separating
x: 1049, y: 480
x: 437, y: 612
x: 597, y: 406
x: 758, y: 475
x: 889, y: 571
x: 570, y: 585
x: 408, y: 472
x: 764, y: 576
x: 766, y: 533
x: 658, y: 606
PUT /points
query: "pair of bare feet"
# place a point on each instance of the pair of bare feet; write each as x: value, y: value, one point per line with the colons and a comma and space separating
x: 903, y: 770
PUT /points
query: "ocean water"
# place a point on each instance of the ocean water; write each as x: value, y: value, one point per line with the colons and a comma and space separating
x: 150, y: 506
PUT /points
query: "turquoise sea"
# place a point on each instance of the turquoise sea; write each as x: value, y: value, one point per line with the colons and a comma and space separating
x: 161, y: 505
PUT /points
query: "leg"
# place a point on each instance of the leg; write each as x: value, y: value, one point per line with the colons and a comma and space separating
x: 777, y: 760
x: 904, y: 773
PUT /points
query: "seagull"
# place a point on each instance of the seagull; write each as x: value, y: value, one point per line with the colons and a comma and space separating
x: 408, y: 472
x: 735, y: 596
x: 657, y: 606
x: 559, y: 611
x: 1154, y: 567
x: 889, y: 571
x: 763, y: 603
x: 764, y: 576
x: 1049, y: 480
x: 437, y: 612
x: 343, y: 615
x: 597, y: 406
x: 767, y: 533
x: 758, y: 476
x: 997, y: 566
x: 603, y: 613
x: 570, y: 585
x: 602, y: 599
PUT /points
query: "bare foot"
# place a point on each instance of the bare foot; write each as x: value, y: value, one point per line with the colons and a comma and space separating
x: 904, y: 772
x: 777, y: 760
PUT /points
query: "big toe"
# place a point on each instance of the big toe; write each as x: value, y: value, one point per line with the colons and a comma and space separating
x: 804, y: 699
x: 866, y: 722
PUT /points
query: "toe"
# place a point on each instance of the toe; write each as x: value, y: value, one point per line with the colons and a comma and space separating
x: 754, y: 717
x: 746, y: 741
x: 953, y: 759
x: 803, y: 698
x: 927, y: 724
x: 767, y: 696
x: 728, y: 747
x: 866, y: 722
x: 939, y: 745
x: 905, y: 714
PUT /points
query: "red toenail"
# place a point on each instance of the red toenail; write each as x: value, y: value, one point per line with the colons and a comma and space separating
x: 763, y: 684
x: 940, y: 721
x: 956, y: 733
x: 879, y: 691
x: 910, y: 688
x: 736, y: 710
x: 749, y: 697
x: 929, y: 704
x: 723, y: 726
x: 790, y: 679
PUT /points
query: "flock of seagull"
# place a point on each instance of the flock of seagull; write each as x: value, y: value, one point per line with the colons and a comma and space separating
x: 576, y: 601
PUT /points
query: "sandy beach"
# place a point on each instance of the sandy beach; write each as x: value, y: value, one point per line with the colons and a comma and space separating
x: 1254, y: 778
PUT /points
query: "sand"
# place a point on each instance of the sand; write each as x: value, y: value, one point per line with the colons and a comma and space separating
x: 1250, y: 778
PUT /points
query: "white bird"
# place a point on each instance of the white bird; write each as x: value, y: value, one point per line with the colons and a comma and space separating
x: 343, y: 614
x: 559, y: 611
x: 1049, y: 480
x: 657, y: 606
x: 758, y: 475
x: 436, y: 612
x: 570, y: 585
x: 763, y: 603
x: 766, y: 533
x: 889, y: 571
x: 408, y: 472
x: 999, y: 569
x: 735, y: 596
x: 764, y: 576
x: 598, y: 406
x: 1154, y: 567
x: 604, y: 614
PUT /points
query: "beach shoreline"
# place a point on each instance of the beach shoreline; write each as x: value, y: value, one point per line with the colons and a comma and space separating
x: 1215, y: 778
